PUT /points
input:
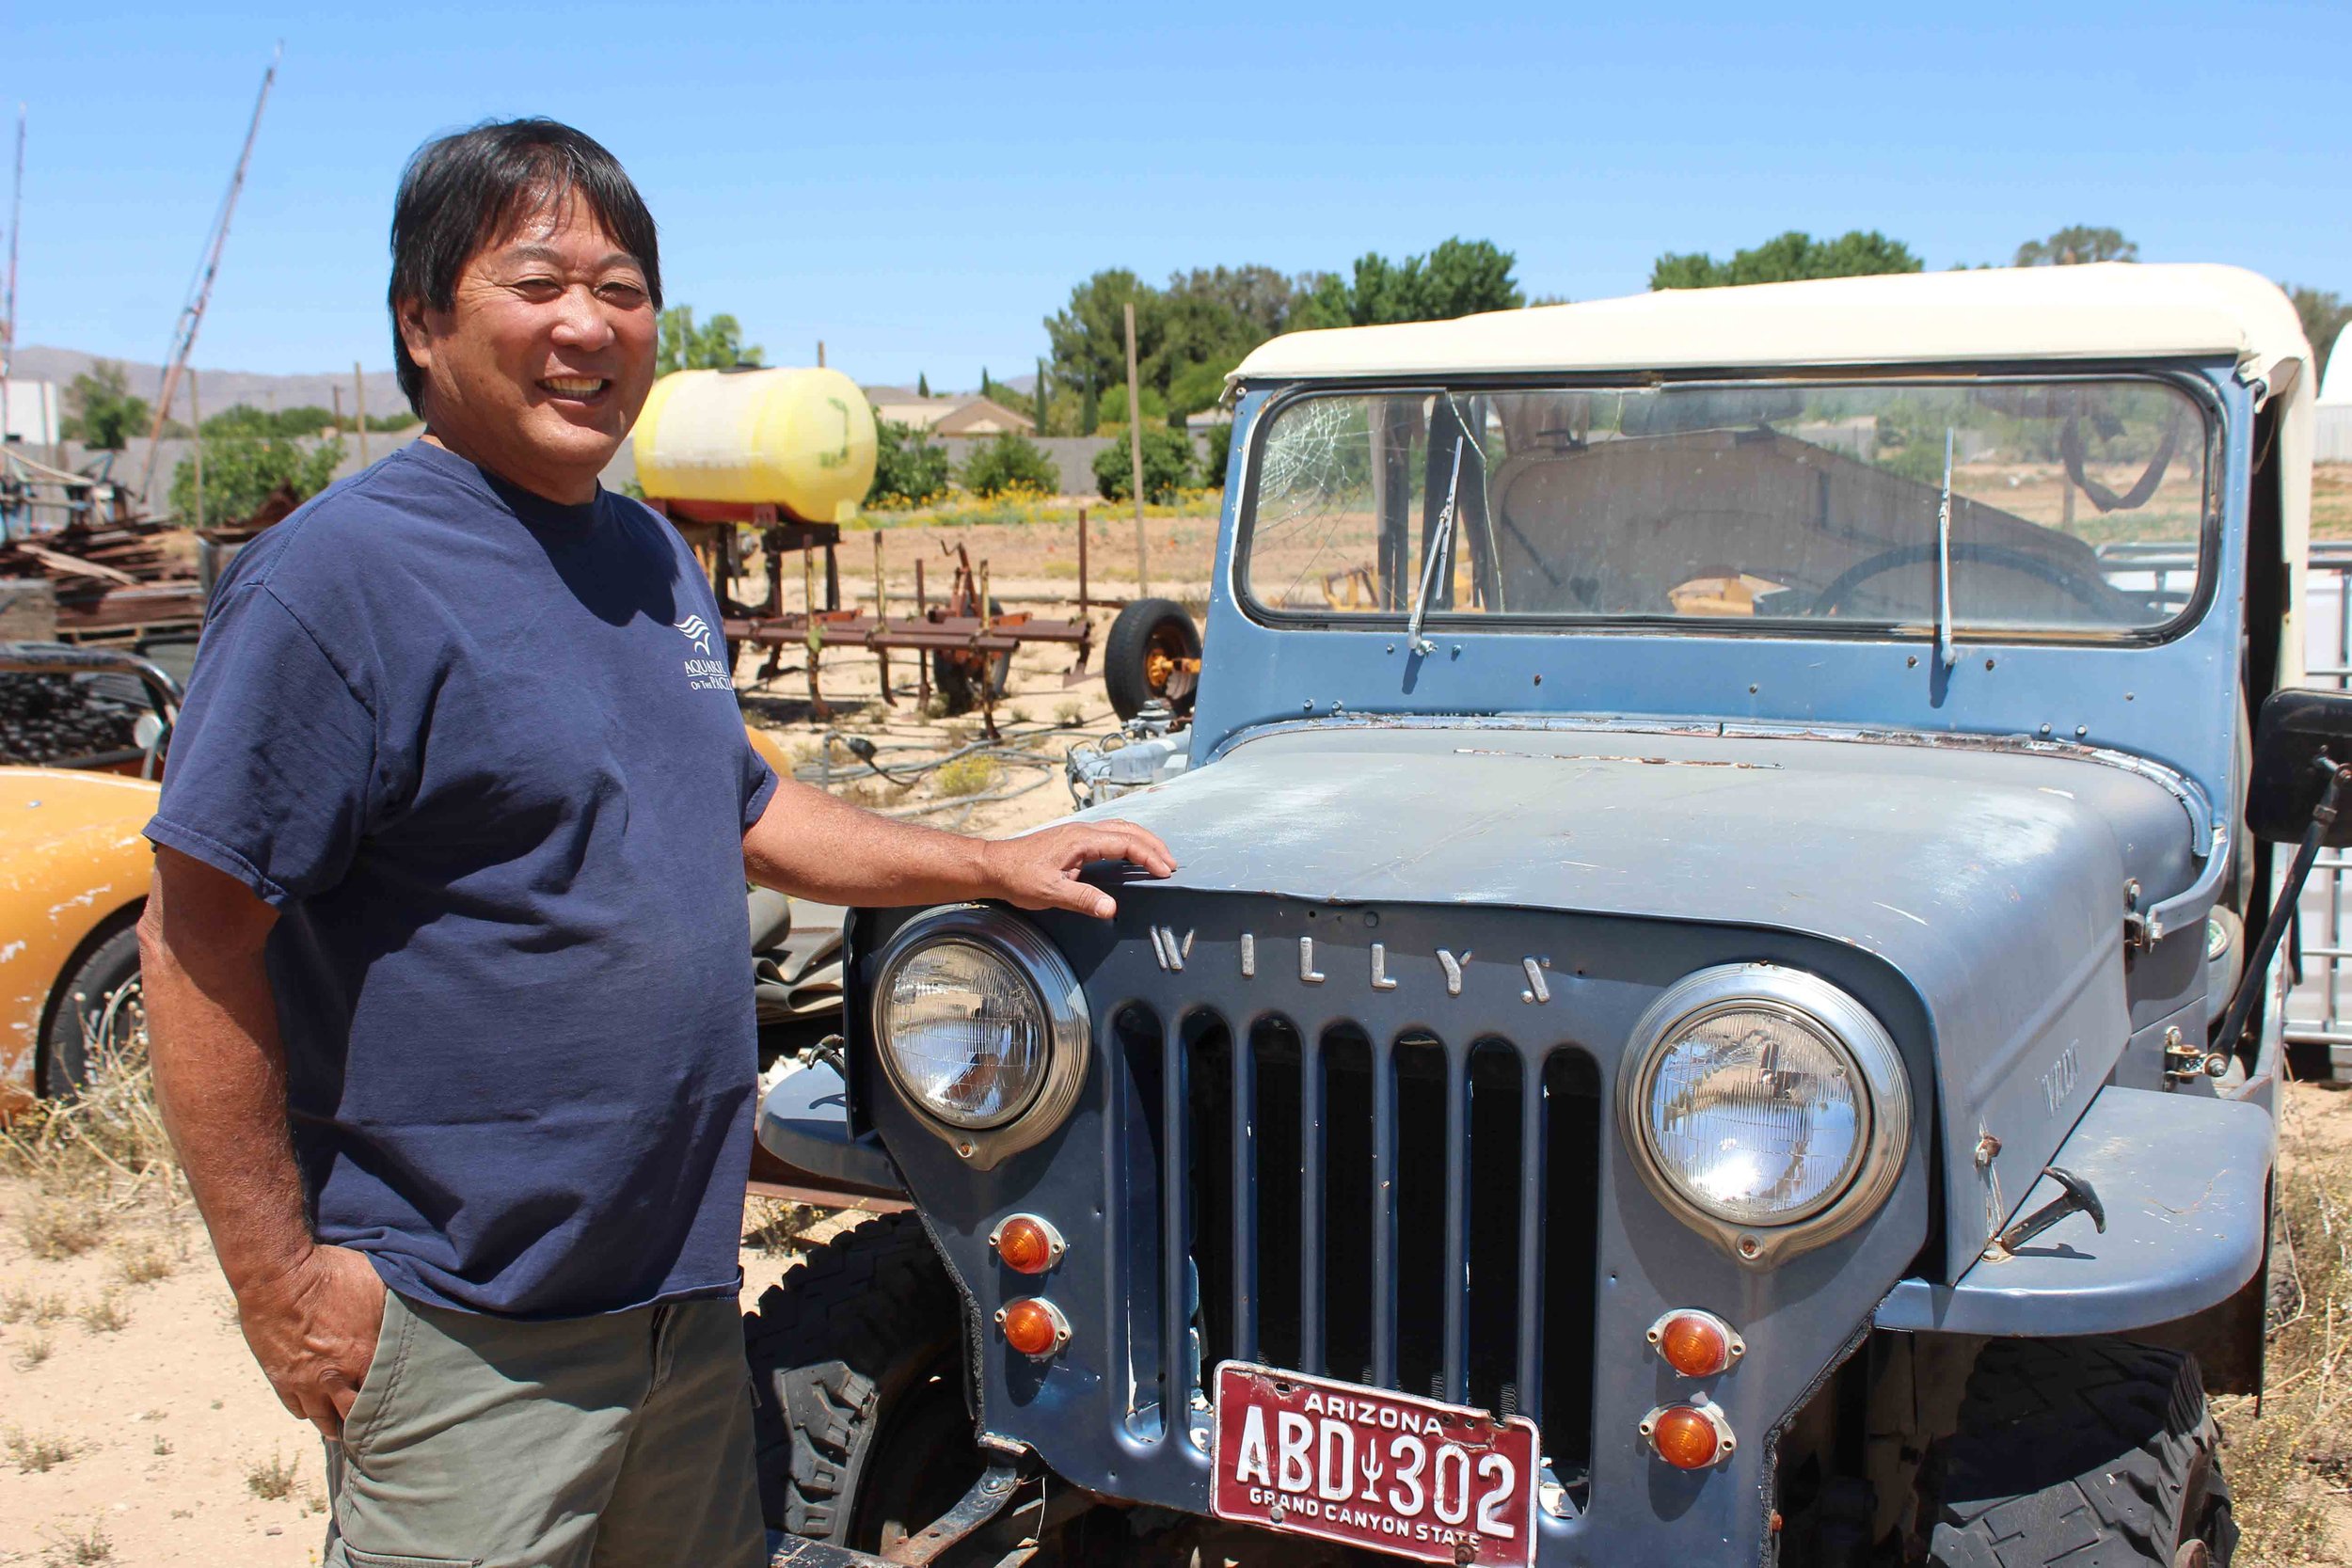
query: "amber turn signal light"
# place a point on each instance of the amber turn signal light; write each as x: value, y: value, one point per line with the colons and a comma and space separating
x: 1034, y: 1326
x: 1688, y: 1436
x: 1697, y: 1344
x: 1026, y: 1243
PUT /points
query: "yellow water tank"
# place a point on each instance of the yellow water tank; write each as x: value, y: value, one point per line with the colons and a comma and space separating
x: 800, y: 440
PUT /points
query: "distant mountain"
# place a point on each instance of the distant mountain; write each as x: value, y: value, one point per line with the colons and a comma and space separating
x: 216, y: 389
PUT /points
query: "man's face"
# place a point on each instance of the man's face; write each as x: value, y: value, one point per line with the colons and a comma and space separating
x: 537, y: 369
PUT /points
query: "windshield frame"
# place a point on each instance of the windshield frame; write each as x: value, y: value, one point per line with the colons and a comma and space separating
x: 2180, y: 377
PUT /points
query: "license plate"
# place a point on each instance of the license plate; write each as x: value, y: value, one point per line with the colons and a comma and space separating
x: 1370, y: 1468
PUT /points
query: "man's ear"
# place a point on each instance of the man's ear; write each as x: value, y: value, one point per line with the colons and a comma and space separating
x: 414, y: 336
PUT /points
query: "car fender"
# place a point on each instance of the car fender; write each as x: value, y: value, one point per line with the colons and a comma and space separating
x: 72, y: 860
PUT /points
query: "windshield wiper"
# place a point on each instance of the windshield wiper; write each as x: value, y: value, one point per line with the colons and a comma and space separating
x: 1441, y: 540
x: 1943, y: 649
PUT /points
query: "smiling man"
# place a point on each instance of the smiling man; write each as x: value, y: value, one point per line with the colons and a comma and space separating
x: 447, y: 960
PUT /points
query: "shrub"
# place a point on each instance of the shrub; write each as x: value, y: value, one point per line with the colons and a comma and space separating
x: 1220, y: 450
x: 965, y: 776
x: 1166, y: 465
x: 908, y: 469
x: 1012, y: 462
x: 243, y: 472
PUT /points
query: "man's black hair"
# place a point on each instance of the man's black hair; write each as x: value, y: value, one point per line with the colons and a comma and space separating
x: 460, y: 193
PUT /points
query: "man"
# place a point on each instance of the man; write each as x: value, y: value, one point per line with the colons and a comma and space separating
x: 447, y: 955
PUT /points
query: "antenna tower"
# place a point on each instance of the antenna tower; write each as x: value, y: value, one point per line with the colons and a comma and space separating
x: 201, y: 291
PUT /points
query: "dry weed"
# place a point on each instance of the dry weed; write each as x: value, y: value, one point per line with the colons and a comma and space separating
x: 37, y: 1454
x: 142, y: 1264
x: 104, y: 1315
x: 271, y: 1479
x: 32, y: 1353
x: 163, y: 1445
x: 2283, y: 1466
x: 55, y: 1228
x: 21, y: 1305
x: 97, y: 1154
x: 776, y: 1228
x: 83, y: 1548
x: 1070, y: 716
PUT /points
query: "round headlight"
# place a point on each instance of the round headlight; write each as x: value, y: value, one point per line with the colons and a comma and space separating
x: 982, y: 1028
x: 966, y: 1032
x: 1755, y: 1114
x: 1766, y: 1106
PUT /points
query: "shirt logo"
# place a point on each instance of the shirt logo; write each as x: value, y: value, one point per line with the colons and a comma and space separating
x: 697, y: 631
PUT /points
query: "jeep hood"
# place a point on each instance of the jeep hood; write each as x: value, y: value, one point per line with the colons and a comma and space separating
x: 1991, y: 876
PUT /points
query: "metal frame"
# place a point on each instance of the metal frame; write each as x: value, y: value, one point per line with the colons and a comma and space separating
x: 2323, y: 963
x: 1850, y: 1029
x: 1059, y: 997
x: 2197, y: 390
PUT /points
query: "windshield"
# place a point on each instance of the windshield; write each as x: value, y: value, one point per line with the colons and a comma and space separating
x: 2076, y: 506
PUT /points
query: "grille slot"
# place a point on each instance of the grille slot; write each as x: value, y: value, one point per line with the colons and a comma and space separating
x: 1409, y: 1213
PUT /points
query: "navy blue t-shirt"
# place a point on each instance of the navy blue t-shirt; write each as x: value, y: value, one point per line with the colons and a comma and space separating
x: 481, y: 753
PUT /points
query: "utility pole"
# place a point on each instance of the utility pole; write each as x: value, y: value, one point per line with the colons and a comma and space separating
x: 7, y: 300
x: 1135, y: 452
x: 192, y: 316
x: 359, y: 405
x: 195, y: 421
x: 821, y: 365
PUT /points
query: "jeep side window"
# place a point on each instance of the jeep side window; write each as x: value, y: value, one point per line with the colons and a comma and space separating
x: 2079, y: 506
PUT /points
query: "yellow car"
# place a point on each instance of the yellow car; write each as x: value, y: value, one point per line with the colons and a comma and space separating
x: 73, y: 868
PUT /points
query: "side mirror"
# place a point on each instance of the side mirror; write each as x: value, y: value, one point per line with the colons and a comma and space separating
x: 2297, y: 730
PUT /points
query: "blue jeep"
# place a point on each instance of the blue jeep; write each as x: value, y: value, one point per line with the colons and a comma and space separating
x: 1722, y: 1002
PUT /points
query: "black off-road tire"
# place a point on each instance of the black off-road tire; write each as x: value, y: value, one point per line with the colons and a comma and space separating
x: 1149, y: 634
x: 856, y: 1357
x: 958, y: 683
x: 2082, y: 1453
x: 105, y: 964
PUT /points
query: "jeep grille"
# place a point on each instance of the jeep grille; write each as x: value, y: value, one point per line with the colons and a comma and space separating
x: 1388, y: 1207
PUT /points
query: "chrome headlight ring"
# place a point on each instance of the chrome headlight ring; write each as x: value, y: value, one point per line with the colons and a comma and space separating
x: 1054, y: 984
x: 1882, y: 1136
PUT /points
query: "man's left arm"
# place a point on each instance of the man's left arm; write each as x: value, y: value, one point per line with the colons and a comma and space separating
x: 807, y: 843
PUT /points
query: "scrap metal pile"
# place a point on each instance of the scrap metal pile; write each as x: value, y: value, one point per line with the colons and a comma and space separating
x: 85, y: 532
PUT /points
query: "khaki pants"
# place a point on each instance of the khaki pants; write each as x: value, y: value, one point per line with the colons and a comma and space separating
x: 612, y: 1442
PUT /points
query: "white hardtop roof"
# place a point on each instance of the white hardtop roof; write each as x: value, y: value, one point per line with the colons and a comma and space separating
x: 2108, y: 311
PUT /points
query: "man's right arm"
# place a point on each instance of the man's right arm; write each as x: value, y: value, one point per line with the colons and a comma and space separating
x: 309, y: 1312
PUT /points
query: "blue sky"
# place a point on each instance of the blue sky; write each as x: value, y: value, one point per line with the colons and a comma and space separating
x: 918, y: 185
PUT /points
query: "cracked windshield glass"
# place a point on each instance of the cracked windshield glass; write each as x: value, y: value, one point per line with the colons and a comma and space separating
x: 2077, y: 507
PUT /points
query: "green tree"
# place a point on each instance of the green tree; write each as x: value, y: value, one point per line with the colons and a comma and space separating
x: 2075, y: 244
x: 922, y: 384
x: 243, y: 472
x: 909, y: 470
x: 1088, y: 336
x: 1787, y: 257
x: 716, y: 346
x: 242, y: 418
x: 1166, y: 465
x: 1459, y: 277
x: 1220, y: 452
x: 100, y: 409
x: 1010, y: 462
x: 2324, y: 315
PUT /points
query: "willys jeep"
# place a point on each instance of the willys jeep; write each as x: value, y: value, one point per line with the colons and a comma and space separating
x: 1722, y: 1000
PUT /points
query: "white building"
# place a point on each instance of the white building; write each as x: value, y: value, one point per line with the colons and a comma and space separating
x: 30, y: 410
